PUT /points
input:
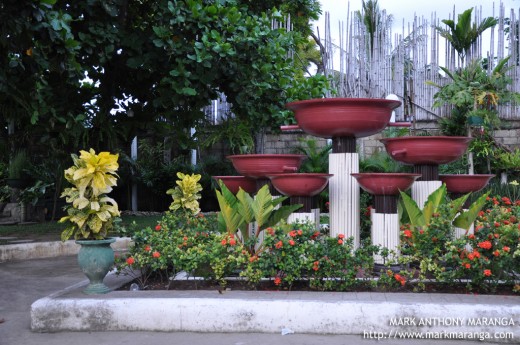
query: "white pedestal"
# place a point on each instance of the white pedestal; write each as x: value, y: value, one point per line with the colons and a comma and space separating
x: 385, y: 232
x: 313, y: 216
x: 422, y: 189
x: 344, y: 196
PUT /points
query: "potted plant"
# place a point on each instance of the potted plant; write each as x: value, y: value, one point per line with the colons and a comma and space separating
x: 91, y: 213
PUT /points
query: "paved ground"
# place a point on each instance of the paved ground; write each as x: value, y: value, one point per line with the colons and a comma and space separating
x: 23, y: 282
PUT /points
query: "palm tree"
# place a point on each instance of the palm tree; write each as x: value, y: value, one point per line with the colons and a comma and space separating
x: 464, y: 34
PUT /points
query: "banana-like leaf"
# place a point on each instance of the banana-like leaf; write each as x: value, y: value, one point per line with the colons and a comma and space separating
x: 245, y: 206
x: 465, y: 219
x: 415, y: 215
x: 262, y: 206
x: 232, y: 219
x: 457, y: 206
x: 431, y: 205
x: 281, y: 214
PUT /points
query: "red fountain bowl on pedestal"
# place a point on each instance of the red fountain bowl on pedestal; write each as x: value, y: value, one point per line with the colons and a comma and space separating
x: 463, y: 184
x: 263, y: 165
x: 343, y: 117
x: 303, y: 184
x: 426, y: 150
x: 233, y: 183
x: 385, y: 183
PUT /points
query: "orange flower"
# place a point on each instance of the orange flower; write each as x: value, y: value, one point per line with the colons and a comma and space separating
x: 156, y: 254
x: 506, y: 249
x: 223, y: 242
x: 341, y: 236
x: 300, y: 232
x: 291, y: 242
x: 487, y: 273
x: 277, y: 281
x: 232, y: 242
x: 407, y: 233
x: 467, y: 265
x: 485, y: 245
x: 496, y: 253
x: 130, y: 261
x: 279, y: 244
x: 147, y: 248
x: 293, y: 233
x: 340, y: 241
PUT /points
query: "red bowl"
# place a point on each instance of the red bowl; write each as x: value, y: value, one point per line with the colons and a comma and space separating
x: 425, y: 150
x: 304, y: 184
x: 343, y: 117
x: 262, y: 165
x: 385, y: 183
x: 233, y: 183
x: 462, y: 184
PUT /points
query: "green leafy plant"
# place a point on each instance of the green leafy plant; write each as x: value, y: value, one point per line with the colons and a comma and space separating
x: 240, y: 212
x: 317, y: 160
x: 90, y: 211
x: 186, y: 194
x: 509, y: 160
x: 18, y: 164
x: 454, y: 213
x: 32, y: 194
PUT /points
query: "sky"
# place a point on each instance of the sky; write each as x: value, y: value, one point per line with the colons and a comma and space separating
x: 406, y: 9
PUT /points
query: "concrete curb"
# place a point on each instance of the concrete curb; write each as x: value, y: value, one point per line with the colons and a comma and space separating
x: 372, y: 315
x: 40, y: 250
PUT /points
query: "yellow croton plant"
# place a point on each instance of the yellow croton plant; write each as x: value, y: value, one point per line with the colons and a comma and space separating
x: 90, y: 212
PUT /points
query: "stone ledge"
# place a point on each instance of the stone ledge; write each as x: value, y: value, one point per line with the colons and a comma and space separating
x: 50, y: 249
x: 270, y: 312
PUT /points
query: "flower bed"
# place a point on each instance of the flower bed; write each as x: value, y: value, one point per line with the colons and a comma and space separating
x: 294, y: 256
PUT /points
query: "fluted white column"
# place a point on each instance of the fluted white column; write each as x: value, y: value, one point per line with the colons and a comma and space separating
x: 344, y: 196
x: 385, y: 232
x: 422, y: 189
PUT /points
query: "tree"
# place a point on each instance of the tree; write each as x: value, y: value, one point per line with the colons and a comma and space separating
x: 463, y: 34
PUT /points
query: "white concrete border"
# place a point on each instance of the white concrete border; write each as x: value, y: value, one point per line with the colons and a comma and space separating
x: 269, y: 312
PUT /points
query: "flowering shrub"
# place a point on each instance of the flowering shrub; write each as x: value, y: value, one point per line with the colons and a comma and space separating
x: 492, y: 253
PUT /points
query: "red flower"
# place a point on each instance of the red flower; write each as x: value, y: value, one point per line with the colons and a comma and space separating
x: 300, y: 232
x: 476, y: 253
x: 481, y: 214
x: 158, y: 227
x: 270, y: 231
x: 340, y: 241
x: 506, y: 249
x: 471, y: 236
x: 496, y: 253
x: 291, y: 242
x: 341, y: 236
x: 400, y: 279
x: 293, y: 233
x: 232, y: 242
x: 487, y: 273
x: 156, y: 254
x: 497, y: 235
x: 277, y: 281
x: 407, y: 233
x: 421, y: 231
x: 327, y: 204
x: 253, y: 258
x: 279, y: 244
x: 497, y: 224
x: 315, y: 235
x: 130, y: 261
x: 223, y: 242
x: 147, y: 248
x: 471, y: 256
x: 506, y: 200
x: 316, y: 265
x: 467, y: 265
x: 485, y: 245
